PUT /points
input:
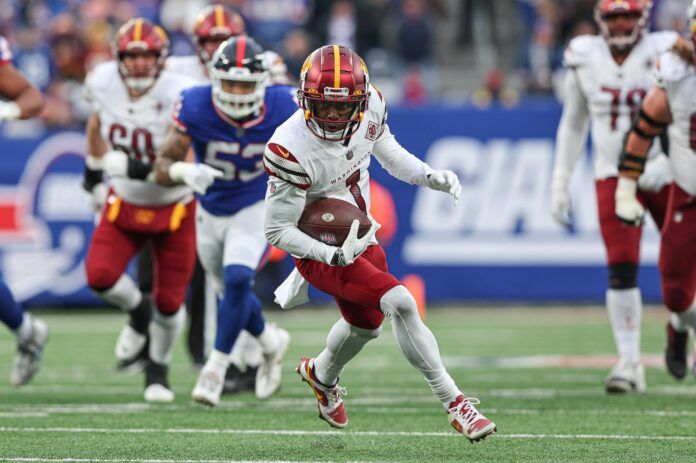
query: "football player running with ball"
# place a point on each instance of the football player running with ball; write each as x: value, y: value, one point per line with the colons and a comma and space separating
x: 670, y: 107
x: 131, y: 99
x: 23, y: 101
x: 228, y: 124
x: 607, y: 77
x: 324, y: 151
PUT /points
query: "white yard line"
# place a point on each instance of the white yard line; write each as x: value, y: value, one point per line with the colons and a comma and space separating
x: 149, y: 460
x: 368, y: 396
x: 286, y: 432
x: 300, y: 405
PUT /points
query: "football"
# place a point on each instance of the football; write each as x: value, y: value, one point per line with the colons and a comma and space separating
x: 328, y: 220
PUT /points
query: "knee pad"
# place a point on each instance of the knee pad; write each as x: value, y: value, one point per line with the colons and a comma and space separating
x: 365, y: 333
x: 676, y: 297
x: 101, y: 278
x: 238, y: 279
x: 166, y: 303
x: 623, y: 276
x: 398, y: 301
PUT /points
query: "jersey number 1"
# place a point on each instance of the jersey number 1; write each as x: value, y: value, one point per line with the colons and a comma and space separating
x: 352, y: 184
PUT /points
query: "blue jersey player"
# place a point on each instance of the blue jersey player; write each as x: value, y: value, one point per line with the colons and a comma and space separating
x: 228, y: 124
x: 22, y: 101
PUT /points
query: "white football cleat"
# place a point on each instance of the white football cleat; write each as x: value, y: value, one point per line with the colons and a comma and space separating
x: 129, y: 343
x: 157, y: 387
x: 329, y: 401
x: 270, y: 371
x: 464, y: 417
x: 208, y: 387
x: 158, y: 393
x: 28, y: 358
x: 625, y: 377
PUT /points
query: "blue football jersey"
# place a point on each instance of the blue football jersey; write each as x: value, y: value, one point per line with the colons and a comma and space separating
x: 237, y: 150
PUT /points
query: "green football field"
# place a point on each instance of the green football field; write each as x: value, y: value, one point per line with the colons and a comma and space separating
x: 537, y: 372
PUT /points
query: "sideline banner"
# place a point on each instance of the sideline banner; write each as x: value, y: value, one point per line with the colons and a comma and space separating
x: 46, y: 219
x: 500, y: 244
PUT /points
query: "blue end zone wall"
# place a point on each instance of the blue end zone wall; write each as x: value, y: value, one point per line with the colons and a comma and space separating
x: 500, y: 244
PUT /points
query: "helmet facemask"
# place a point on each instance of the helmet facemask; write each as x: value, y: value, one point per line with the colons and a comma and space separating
x: 139, y: 77
x: 622, y: 40
x: 334, y: 117
x: 141, y: 48
x: 238, y: 92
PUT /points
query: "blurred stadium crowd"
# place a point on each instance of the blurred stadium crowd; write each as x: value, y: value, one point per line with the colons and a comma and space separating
x: 418, y: 50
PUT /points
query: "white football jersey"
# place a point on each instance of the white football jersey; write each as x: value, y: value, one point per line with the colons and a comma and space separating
x: 136, y: 126
x: 189, y: 66
x: 679, y: 81
x: 328, y: 169
x: 614, y: 92
x: 192, y: 67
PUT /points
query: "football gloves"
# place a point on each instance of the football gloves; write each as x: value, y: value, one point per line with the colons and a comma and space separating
x: 561, y: 210
x: 93, y: 182
x: 353, y: 246
x: 447, y: 181
x: 115, y: 164
x: 628, y: 209
x: 197, y: 176
x: 9, y: 110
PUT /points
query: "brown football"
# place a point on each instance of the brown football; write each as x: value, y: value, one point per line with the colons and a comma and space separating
x: 328, y: 220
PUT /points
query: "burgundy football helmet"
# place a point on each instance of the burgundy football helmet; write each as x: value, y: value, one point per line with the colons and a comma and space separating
x: 622, y: 40
x: 215, y: 23
x: 333, y: 76
x: 140, y: 36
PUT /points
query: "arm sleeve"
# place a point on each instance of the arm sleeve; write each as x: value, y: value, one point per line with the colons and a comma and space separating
x: 573, y: 128
x: 398, y: 161
x: 284, y: 205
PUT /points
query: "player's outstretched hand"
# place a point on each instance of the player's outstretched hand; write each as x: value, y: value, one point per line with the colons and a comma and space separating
x: 628, y: 209
x: 353, y: 246
x: 197, y: 176
x: 115, y: 163
x: 447, y: 181
x: 658, y: 174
